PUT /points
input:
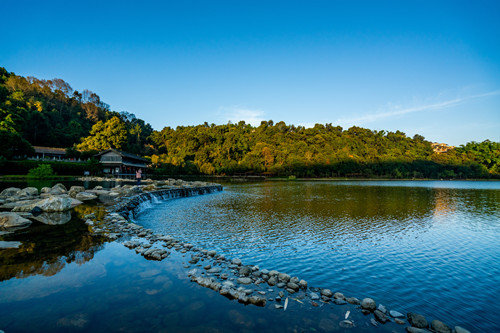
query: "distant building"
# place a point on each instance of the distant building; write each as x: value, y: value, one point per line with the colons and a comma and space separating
x: 121, y: 164
x: 51, y: 153
x: 440, y: 148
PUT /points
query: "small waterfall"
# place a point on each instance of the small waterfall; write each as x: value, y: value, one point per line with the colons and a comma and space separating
x: 144, y: 201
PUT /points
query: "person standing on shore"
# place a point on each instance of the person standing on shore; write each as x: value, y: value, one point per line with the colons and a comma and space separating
x: 138, y: 176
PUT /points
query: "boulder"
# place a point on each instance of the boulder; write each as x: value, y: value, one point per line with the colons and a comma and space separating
x: 326, y: 292
x: 245, y: 271
x: 74, y: 190
x: 58, y: 189
x: 10, y: 192
x: 45, y: 189
x: 13, y: 220
x: 353, y: 300
x: 417, y: 320
x: 50, y: 204
x: 380, y: 316
x: 416, y: 330
x: 85, y: 196
x: 338, y: 295
x: 440, y: 327
x: 459, y: 329
x: 396, y: 314
x: 283, y: 277
x: 368, y: 304
x: 245, y: 280
x: 257, y: 300
x: 28, y: 192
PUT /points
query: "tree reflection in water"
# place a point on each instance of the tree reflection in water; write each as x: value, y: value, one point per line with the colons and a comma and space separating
x: 46, y: 249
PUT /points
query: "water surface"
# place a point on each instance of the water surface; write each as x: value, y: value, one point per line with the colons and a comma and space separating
x: 425, y: 246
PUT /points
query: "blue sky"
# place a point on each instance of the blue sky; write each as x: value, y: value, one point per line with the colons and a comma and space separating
x: 426, y: 67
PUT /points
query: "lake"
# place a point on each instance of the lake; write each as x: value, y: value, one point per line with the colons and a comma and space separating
x: 429, y: 247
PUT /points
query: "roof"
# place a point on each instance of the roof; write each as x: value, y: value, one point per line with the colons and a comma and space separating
x: 123, y: 154
x: 49, y: 150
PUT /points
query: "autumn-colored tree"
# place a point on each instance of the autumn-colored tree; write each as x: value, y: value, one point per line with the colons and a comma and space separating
x: 105, y: 135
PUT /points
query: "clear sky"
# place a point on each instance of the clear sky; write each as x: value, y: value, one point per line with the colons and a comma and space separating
x: 426, y: 67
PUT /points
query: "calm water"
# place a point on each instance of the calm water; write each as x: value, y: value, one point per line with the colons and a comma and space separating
x: 425, y: 246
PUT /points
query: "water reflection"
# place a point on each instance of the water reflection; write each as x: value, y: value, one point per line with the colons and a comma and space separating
x: 47, y: 246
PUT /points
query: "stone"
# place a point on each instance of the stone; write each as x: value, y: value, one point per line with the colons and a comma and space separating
x: 382, y: 309
x: 214, y: 270
x: 440, y: 327
x: 326, y: 292
x: 380, y: 316
x: 293, y: 286
x: 272, y: 281
x: 338, y: 296
x: 85, y: 196
x: 368, y: 304
x: 417, y: 320
x: 416, y: 330
x: 211, y: 253
x: 396, y: 314
x: 28, y: 192
x: 314, y: 296
x: 9, y: 245
x: 194, y: 260
x: 155, y: 254
x: 459, y: 329
x: 303, y: 284
x: 245, y: 271
x: 74, y: 190
x: 339, y: 301
x: 10, y: 192
x: 131, y: 244
x: 257, y: 300
x: 283, y: 277
x: 353, y: 300
x: 236, y: 261
x: 58, y: 189
x: 13, y: 220
x: 50, y: 204
x: 399, y: 321
x: 245, y: 280
x: 273, y: 273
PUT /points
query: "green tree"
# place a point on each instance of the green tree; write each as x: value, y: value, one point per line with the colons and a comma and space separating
x: 110, y: 134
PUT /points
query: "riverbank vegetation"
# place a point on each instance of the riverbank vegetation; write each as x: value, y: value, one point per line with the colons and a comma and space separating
x: 35, y: 112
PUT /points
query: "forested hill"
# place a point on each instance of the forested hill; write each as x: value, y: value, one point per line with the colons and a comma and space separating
x: 322, y: 151
x: 50, y: 113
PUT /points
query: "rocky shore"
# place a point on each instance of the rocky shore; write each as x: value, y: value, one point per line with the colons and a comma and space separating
x: 247, y: 284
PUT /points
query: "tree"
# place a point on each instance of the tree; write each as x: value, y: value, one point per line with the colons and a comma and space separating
x: 111, y: 134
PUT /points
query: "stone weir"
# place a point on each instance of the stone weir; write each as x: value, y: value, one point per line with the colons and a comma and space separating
x: 134, y: 206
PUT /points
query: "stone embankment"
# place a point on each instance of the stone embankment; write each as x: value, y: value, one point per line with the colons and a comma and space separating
x: 248, y: 284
